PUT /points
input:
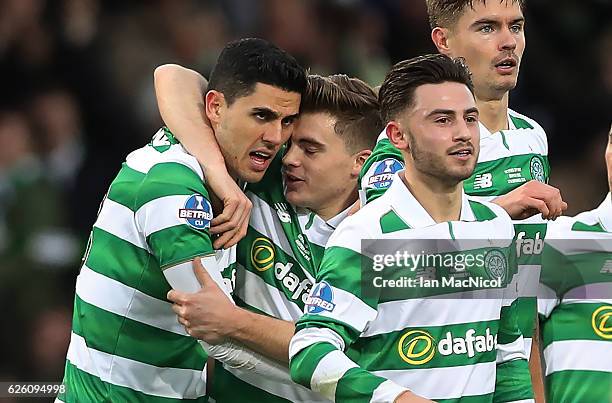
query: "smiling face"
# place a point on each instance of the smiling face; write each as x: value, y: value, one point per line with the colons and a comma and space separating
x: 439, y: 134
x: 490, y: 37
x: 318, y: 170
x: 251, y: 130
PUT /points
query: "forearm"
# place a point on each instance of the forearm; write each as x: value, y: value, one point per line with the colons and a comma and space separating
x: 266, y: 335
x: 535, y: 368
x: 180, y: 97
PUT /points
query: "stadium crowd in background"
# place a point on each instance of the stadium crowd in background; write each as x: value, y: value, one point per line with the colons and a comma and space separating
x: 78, y: 96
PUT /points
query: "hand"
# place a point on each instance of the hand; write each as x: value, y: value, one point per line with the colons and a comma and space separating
x: 409, y: 397
x: 532, y: 198
x: 233, y: 222
x: 206, y: 314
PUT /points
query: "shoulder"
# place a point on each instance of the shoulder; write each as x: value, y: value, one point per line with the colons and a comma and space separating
x: 523, y: 122
x: 486, y: 211
x: 164, y: 153
x: 170, y: 172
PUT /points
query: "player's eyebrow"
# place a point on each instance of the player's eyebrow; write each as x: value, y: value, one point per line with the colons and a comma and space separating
x: 309, y: 141
x: 471, y: 110
x: 449, y: 112
x: 267, y: 112
x: 496, y: 22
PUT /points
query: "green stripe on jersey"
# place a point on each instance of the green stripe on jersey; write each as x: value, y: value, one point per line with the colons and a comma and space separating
x: 227, y: 388
x: 110, y: 255
x: 579, y: 226
x: 510, y: 374
x: 169, y: 179
x: 481, y: 212
x: 122, y: 190
x: 469, y: 399
x: 136, y: 341
x: 179, y: 244
x: 436, y: 346
x: 306, y: 361
x: 572, y: 322
x: 357, y: 386
x: 82, y: 387
x: 579, y: 387
x: 520, y: 123
x: 391, y: 222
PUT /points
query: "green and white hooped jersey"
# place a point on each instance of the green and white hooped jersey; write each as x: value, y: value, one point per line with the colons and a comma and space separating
x: 575, y: 306
x: 126, y: 344
x: 507, y: 159
x: 440, y: 343
x: 274, y: 274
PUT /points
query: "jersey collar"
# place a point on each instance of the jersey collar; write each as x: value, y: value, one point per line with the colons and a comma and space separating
x: 484, y: 132
x: 412, y: 212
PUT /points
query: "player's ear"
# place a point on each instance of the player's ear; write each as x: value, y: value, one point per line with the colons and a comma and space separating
x: 397, y: 135
x: 359, y: 159
x: 440, y: 37
x: 215, y: 103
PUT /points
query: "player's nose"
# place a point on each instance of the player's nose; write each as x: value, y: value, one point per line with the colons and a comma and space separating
x: 291, y: 156
x: 507, y: 40
x: 273, y: 133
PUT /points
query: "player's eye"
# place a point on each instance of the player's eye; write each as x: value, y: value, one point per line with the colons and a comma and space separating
x: 471, y: 119
x: 260, y: 116
x: 516, y: 28
x: 442, y: 120
x: 288, y: 121
x: 486, y: 29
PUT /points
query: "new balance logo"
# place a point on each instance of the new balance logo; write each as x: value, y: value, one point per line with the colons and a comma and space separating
x: 483, y: 181
x: 281, y: 211
x: 607, y: 267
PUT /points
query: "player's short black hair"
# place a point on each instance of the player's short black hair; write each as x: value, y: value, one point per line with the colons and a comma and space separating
x: 245, y: 62
x: 397, y: 91
x: 445, y: 13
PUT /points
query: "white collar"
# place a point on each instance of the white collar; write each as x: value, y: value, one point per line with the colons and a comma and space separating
x: 412, y: 212
x: 484, y: 132
x: 338, y: 218
x: 318, y: 222
x: 604, y: 213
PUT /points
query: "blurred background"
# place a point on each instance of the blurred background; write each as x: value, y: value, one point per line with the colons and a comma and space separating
x: 76, y: 86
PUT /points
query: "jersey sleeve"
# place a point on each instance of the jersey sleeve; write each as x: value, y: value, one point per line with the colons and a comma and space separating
x: 377, y: 173
x: 513, y: 380
x: 337, y: 312
x: 173, y: 213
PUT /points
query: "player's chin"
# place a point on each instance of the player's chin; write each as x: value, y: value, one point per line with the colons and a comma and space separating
x: 507, y: 83
x: 251, y: 176
x: 292, y: 196
x: 295, y: 197
x: 463, y: 173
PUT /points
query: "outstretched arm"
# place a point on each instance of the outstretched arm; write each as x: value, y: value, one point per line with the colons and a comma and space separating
x: 180, y: 98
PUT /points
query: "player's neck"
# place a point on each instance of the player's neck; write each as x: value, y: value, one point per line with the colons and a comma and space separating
x: 441, y: 201
x: 337, y: 205
x: 494, y: 113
